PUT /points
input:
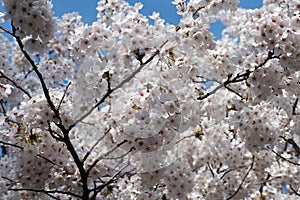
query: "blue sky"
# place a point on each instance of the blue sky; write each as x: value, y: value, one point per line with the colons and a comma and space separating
x: 166, y: 9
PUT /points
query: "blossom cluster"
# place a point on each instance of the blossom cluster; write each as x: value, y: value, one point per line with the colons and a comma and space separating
x: 32, y: 20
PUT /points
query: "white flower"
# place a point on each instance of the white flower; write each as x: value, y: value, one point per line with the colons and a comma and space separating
x: 5, y: 90
x: 2, y: 17
x: 31, y: 18
x: 154, y: 15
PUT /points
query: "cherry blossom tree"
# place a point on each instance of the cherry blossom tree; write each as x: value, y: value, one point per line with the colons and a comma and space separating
x: 122, y: 108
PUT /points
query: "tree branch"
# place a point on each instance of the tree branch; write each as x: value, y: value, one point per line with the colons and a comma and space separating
x: 230, y: 170
x: 41, y: 79
x: 240, y: 77
x: 210, y: 169
x: 2, y: 75
x: 101, y: 187
x: 54, y: 134
x: 46, y: 191
x: 121, y: 156
x: 96, y: 143
x: 111, y: 90
x: 196, y: 11
x: 241, y: 184
x: 6, y: 31
x: 283, y: 158
x: 10, y: 144
x: 295, y: 191
x: 293, y: 143
x: 295, y: 107
x: 104, y: 155
x: 3, y: 107
x: 65, y: 92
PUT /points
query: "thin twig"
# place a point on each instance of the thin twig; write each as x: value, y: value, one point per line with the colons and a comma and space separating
x: 10, y: 144
x: 293, y: 143
x: 101, y: 187
x: 283, y: 158
x: 210, y: 93
x: 263, y: 184
x: 195, y: 12
x: 53, y: 197
x: 65, y: 92
x: 240, y: 77
x: 233, y: 91
x: 241, y: 184
x: 142, y: 65
x: 210, y: 169
x: 185, y: 137
x: 96, y: 143
x: 111, y: 90
x: 8, y: 179
x: 47, y: 191
x: 41, y: 79
x: 47, y: 159
x: 295, y: 191
x: 65, y: 138
x: 230, y: 170
x: 3, y: 107
x: 28, y: 73
x: 6, y: 31
x: 121, y: 156
x: 295, y: 107
x: 2, y: 75
x: 104, y: 155
x: 54, y: 134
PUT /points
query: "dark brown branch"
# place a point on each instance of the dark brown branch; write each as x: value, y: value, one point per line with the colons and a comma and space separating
x: 41, y: 79
x: 230, y: 170
x: 2, y: 75
x: 295, y: 191
x: 121, y: 156
x: 293, y: 143
x: 65, y: 92
x: 101, y: 187
x: 283, y: 158
x: 54, y: 134
x: 263, y: 184
x: 233, y: 91
x: 10, y: 144
x: 65, y: 139
x: 65, y: 131
x: 196, y: 11
x: 53, y: 197
x: 111, y: 90
x: 295, y: 107
x: 240, y: 77
x: 17, y: 146
x: 210, y: 169
x: 8, y: 179
x: 105, y: 155
x: 80, y: 165
x: 2, y: 107
x: 85, y: 115
x: 142, y: 65
x: 96, y: 143
x: 6, y: 31
x: 47, y: 159
x: 241, y: 184
x: 28, y: 73
x: 47, y: 191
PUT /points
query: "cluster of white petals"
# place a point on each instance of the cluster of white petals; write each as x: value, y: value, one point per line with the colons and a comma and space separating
x: 32, y: 20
